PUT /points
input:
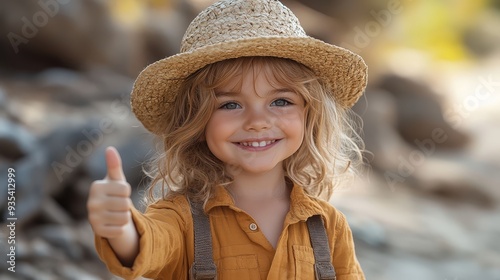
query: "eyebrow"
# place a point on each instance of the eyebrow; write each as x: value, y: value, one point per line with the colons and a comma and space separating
x: 272, y: 92
x: 225, y: 93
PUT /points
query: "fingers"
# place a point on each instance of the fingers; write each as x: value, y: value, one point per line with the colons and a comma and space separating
x: 109, y: 196
x: 110, y: 188
x: 109, y: 200
x: 109, y: 207
x: 114, y: 165
x: 117, y: 204
x: 116, y: 218
x: 109, y: 231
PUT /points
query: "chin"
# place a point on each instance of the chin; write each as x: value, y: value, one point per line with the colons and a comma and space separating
x: 252, y: 169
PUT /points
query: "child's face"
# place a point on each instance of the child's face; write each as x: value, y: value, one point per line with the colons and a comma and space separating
x: 255, y: 126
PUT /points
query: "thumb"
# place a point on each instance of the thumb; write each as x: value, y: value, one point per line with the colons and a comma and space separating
x: 114, y: 165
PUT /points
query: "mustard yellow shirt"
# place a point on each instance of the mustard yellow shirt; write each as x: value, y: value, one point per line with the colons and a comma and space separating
x: 240, y: 251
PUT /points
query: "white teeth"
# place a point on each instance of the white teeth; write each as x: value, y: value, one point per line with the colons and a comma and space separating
x: 257, y: 144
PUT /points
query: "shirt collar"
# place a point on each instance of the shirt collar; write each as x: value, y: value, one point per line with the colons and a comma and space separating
x: 221, y: 197
x: 302, y: 206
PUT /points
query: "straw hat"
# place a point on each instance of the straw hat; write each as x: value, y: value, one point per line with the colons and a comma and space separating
x: 238, y: 28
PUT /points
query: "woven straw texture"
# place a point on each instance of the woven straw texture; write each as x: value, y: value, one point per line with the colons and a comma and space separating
x: 239, y: 28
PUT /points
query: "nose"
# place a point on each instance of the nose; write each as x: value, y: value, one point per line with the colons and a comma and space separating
x: 257, y: 119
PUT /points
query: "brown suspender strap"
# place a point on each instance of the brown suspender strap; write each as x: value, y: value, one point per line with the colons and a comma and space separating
x: 319, y: 241
x: 203, y: 267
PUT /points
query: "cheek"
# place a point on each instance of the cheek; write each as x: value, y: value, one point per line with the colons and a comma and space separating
x: 293, y: 122
x: 211, y: 129
x: 218, y: 129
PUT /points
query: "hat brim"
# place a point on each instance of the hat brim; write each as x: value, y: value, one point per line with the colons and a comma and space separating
x: 343, y: 71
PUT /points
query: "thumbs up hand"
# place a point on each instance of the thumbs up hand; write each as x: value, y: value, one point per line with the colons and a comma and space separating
x: 114, y: 165
x: 109, y: 200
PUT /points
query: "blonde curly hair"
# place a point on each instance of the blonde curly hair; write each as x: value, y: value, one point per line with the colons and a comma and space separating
x: 330, y: 153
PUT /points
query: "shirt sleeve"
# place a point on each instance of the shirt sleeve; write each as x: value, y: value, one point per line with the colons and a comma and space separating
x: 161, y: 238
x: 343, y: 254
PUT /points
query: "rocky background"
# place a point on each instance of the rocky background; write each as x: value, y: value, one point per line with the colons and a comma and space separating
x: 428, y: 208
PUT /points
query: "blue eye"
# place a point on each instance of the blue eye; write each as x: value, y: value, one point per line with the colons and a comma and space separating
x: 230, y: 106
x: 281, y: 102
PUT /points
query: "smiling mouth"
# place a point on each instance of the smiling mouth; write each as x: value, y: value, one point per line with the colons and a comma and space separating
x: 257, y: 143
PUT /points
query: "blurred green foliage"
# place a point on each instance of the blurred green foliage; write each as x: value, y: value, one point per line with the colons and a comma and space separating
x: 437, y: 27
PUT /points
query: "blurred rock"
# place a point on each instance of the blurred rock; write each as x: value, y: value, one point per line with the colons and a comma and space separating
x: 3, y: 102
x: 39, y: 249
x: 482, y: 38
x: 163, y: 31
x: 419, y: 112
x: 80, y: 89
x: 315, y: 22
x: 23, y: 248
x: 64, y: 238
x: 78, y: 34
x: 133, y: 150
x: 52, y: 212
x: 70, y: 146
x: 8, y: 277
x: 368, y: 231
x: 29, y: 189
x: 70, y: 271
x: 459, y: 180
x: 408, y: 271
x: 111, y: 84
x: 379, y: 112
x: 15, y: 141
x: 27, y: 271
x: 349, y: 12
x: 85, y: 237
x: 411, y: 143
x: 68, y: 86
x: 73, y: 199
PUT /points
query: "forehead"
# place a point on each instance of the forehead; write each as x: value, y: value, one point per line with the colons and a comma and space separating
x: 256, y: 72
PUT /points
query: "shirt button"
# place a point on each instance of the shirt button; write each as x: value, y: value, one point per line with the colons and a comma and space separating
x: 253, y: 226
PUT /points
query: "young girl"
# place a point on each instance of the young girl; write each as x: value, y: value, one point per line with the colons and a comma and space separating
x: 253, y: 116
